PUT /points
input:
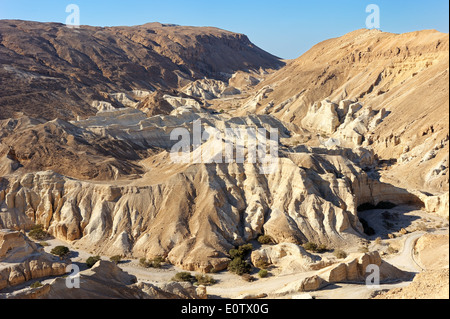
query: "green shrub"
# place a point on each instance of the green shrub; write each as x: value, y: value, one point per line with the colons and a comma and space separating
x: 205, y: 280
x: 152, y: 263
x: 266, y: 240
x: 38, y: 233
x: 263, y: 273
x: 44, y: 244
x: 183, y: 277
x: 315, y: 248
x: 239, y: 266
x: 60, y: 251
x: 35, y: 285
x: 310, y: 246
x: 340, y: 254
x: 116, y: 259
x: 261, y: 264
x: 91, y: 261
x: 241, y: 251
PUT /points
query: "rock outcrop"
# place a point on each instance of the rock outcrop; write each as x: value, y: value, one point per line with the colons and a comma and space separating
x: 58, y: 72
x: 399, y: 80
x: 105, y: 280
x: 22, y: 260
x: 209, y: 89
x: 290, y: 258
x: 354, y: 269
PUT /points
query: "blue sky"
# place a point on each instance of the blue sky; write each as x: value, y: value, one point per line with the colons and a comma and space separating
x: 286, y: 28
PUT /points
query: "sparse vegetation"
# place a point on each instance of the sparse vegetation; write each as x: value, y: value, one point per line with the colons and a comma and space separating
x: 340, y: 254
x: 239, y: 266
x: 263, y: 273
x: 266, y: 240
x: 248, y: 277
x: 363, y: 249
x: 116, y: 259
x: 35, y: 285
x: 38, y: 233
x: 152, y: 263
x: 261, y: 264
x: 312, y: 247
x: 241, y: 251
x: 60, y: 251
x: 205, y: 280
x: 422, y: 227
x: 184, y: 277
x: 391, y: 250
x: 44, y: 244
x: 91, y: 261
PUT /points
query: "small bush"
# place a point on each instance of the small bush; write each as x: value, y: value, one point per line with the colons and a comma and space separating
x: 422, y: 227
x: 152, y: 263
x: 44, y: 244
x: 60, y: 251
x: 205, y: 280
x: 91, y: 261
x: 143, y: 262
x: 183, y: 277
x: 239, y: 266
x: 35, y: 285
x: 248, y: 277
x: 266, y: 240
x: 340, y: 254
x: 391, y: 250
x: 263, y: 273
x: 241, y: 251
x: 38, y: 233
x: 315, y: 248
x: 261, y: 264
x: 116, y: 259
x: 363, y: 249
x: 310, y: 246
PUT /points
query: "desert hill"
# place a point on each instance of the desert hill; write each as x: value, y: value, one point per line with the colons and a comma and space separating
x: 51, y: 71
x: 404, y: 76
x: 363, y: 132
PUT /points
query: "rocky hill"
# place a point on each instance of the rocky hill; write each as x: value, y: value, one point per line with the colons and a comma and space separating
x: 50, y: 71
x: 362, y: 124
x: 401, y: 78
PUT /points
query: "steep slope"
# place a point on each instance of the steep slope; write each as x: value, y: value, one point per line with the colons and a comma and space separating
x: 194, y: 213
x: 48, y: 70
x: 404, y: 76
